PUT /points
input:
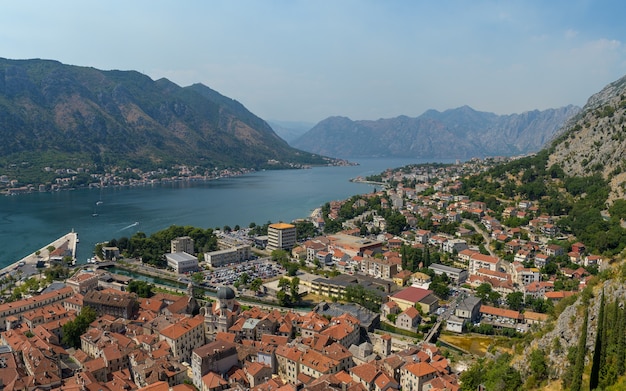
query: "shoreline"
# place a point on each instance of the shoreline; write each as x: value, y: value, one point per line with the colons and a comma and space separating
x: 30, y: 261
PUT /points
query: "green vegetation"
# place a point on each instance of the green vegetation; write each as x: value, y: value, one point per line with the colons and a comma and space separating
x: 578, y: 200
x: 609, y: 353
x: 367, y: 298
x: 151, y: 249
x: 73, y: 329
x: 496, y: 375
x: 141, y: 288
x: 215, y: 130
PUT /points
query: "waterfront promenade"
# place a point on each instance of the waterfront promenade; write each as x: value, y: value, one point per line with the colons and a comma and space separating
x: 28, y: 264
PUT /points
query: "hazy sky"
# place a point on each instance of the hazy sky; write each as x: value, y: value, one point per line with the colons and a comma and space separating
x: 307, y: 60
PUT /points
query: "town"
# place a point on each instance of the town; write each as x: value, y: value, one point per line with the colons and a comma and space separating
x: 388, y: 276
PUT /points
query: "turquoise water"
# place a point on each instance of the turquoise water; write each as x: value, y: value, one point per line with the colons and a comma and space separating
x: 29, y: 222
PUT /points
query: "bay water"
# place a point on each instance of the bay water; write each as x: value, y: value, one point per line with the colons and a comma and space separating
x: 31, y: 221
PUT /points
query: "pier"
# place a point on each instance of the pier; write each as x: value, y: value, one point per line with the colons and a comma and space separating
x: 66, y: 244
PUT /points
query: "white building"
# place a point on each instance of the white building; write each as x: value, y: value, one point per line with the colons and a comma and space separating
x: 182, y: 262
x: 182, y: 244
x: 281, y: 236
x: 224, y: 257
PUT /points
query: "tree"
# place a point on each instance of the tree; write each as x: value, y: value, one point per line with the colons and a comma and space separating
x: 283, y: 298
x: 581, y: 351
x: 255, y: 285
x: 294, y: 289
x: 440, y: 289
x: 596, y: 361
x: 197, y: 277
x: 73, y: 329
x: 538, y: 365
x: 515, y: 300
x: 141, y: 288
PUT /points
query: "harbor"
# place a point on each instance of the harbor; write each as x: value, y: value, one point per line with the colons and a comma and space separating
x: 56, y: 251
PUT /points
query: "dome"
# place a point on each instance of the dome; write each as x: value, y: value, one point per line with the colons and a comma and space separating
x: 225, y: 293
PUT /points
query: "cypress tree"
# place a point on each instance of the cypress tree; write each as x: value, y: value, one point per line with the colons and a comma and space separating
x: 621, y: 341
x: 594, y: 377
x: 405, y: 258
x: 579, y: 365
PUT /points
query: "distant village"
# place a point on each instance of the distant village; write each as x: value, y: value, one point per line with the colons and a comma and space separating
x: 473, y: 274
x: 78, y: 177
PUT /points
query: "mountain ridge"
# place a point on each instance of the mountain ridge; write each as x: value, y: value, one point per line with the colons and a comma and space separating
x: 93, y: 117
x: 594, y: 140
x: 475, y: 133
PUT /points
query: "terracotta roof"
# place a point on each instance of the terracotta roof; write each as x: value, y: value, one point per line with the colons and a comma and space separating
x: 179, y: 329
x: 213, y: 381
x: 290, y: 352
x: 558, y: 295
x: 367, y: 372
x: 411, y: 312
x: 412, y: 294
x: 420, y: 369
x: 485, y: 309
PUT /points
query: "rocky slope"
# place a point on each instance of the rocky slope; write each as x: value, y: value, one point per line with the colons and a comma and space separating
x: 594, y: 141
x: 457, y: 133
x: 567, y: 330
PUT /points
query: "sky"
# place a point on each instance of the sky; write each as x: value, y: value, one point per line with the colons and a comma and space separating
x: 308, y: 60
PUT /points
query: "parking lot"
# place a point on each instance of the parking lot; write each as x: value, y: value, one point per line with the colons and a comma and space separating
x: 227, y: 275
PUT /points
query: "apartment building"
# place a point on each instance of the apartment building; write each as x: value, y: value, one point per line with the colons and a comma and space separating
x: 182, y: 244
x: 184, y: 336
x: 281, y: 236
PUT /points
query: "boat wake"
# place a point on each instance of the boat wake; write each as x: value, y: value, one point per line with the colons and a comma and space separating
x: 136, y: 223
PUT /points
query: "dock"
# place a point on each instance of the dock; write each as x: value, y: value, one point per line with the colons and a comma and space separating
x: 67, y: 242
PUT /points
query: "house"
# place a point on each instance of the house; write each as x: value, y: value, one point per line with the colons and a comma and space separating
x: 554, y: 250
x: 481, y: 261
x: 402, y: 277
x: 410, y: 296
x: 409, y: 319
x: 413, y: 376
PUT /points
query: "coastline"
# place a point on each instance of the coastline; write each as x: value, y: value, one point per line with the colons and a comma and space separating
x: 30, y: 261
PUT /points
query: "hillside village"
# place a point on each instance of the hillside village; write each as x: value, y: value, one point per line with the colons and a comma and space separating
x: 439, y: 263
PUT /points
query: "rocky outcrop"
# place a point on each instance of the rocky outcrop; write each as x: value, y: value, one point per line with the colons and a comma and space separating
x: 594, y: 141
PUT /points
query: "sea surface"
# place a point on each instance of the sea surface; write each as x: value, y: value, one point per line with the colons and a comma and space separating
x: 31, y: 221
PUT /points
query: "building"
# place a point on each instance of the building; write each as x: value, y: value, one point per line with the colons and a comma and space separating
x: 220, y: 258
x: 413, y: 376
x: 184, y: 336
x: 355, y: 245
x: 458, y: 276
x: 481, y: 261
x: 183, y: 244
x: 17, y: 308
x: 410, y: 296
x: 83, y: 282
x: 409, y: 319
x: 182, y: 262
x: 110, y: 302
x: 217, y: 356
x: 281, y: 236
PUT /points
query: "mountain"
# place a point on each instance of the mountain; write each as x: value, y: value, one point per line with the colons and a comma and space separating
x: 457, y: 133
x: 594, y: 141
x: 51, y: 113
x: 290, y: 130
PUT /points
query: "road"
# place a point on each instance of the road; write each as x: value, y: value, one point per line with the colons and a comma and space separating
x: 483, y: 233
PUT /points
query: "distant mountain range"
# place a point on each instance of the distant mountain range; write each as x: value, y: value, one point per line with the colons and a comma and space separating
x: 51, y: 113
x: 290, y: 130
x: 457, y: 133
